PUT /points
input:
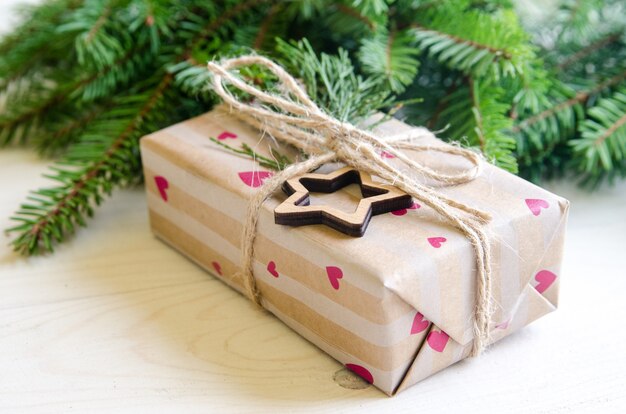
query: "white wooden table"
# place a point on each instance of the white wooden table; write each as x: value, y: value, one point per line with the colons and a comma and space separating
x: 115, y: 321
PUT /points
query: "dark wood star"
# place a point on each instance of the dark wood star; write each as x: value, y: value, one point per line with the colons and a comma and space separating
x: 377, y: 199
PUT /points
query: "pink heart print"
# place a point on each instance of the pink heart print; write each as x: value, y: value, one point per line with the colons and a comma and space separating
x: 536, y: 204
x: 334, y: 274
x: 437, y: 340
x: 385, y: 154
x: 503, y: 325
x: 217, y: 268
x: 271, y: 267
x: 162, y: 185
x: 403, y: 211
x: 545, y: 279
x: 419, y: 324
x: 254, y: 178
x: 436, y: 241
x: 225, y: 135
x: 361, y: 372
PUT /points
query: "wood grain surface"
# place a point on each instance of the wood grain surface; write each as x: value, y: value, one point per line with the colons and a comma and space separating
x: 115, y: 321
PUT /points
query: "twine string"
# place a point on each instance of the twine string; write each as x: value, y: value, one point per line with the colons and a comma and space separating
x: 293, y: 118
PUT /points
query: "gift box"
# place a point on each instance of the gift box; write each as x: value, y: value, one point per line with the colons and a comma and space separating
x: 395, y: 305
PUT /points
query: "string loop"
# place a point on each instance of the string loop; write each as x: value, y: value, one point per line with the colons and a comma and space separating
x: 293, y: 118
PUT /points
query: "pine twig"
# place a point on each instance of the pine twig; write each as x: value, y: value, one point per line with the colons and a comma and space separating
x: 38, y: 234
x: 611, y: 130
x: 477, y: 115
x: 352, y: 12
x: 586, y: 51
x: 279, y: 162
x: 580, y: 97
x: 497, y: 53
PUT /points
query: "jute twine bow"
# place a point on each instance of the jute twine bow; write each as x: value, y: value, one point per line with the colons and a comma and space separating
x: 293, y: 118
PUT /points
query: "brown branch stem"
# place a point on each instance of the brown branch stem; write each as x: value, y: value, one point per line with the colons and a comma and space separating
x: 586, y: 51
x: 499, y: 53
x: 477, y: 115
x: 578, y: 98
x: 617, y: 125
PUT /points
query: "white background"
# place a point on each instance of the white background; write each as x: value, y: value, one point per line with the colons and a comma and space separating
x: 116, y: 321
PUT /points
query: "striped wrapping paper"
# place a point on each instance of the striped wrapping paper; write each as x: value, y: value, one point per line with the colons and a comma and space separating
x: 395, y: 306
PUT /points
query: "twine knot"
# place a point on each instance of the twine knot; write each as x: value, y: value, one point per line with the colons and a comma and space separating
x: 293, y: 118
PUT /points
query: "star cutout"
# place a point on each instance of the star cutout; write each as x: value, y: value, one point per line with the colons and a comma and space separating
x: 377, y: 199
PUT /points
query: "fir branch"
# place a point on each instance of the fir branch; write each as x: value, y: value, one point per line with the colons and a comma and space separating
x: 610, y: 131
x: 472, y: 41
x: 356, y: 14
x: 586, y: 51
x: 99, y: 160
x: 390, y: 57
x: 89, y: 88
x: 215, y: 24
x: 602, y: 143
x: 61, y: 208
x: 333, y: 81
x: 498, y: 53
x: 34, y: 45
x: 441, y: 106
x: 65, y: 133
x: 265, y: 24
x: 279, y: 162
x: 104, y: 15
x: 478, y: 116
x: 580, y: 97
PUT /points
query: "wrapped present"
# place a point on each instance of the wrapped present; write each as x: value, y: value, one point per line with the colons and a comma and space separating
x: 395, y: 305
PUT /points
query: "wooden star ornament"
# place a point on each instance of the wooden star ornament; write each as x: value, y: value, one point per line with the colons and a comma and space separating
x: 377, y: 199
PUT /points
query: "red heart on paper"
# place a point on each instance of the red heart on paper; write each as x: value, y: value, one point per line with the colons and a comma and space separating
x: 545, y: 279
x: 385, y: 154
x: 536, y: 204
x: 436, y: 241
x: 334, y: 274
x: 225, y: 135
x: 254, y: 178
x: 419, y: 324
x: 403, y: 211
x: 437, y: 340
x: 217, y: 268
x: 271, y: 267
x: 162, y: 186
x: 361, y: 372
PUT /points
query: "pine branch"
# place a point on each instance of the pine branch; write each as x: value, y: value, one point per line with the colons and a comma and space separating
x: 602, y: 144
x: 354, y: 13
x: 498, y: 53
x: 265, y: 24
x: 215, y: 24
x: 473, y: 42
x: 574, y: 19
x: 586, y: 51
x: 59, y: 136
x: 42, y: 107
x: 104, y: 15
x: 390, y: 57
x: 478, y: 117
x: 106, y: 155
x: 34, y: 44
x: 610, y: 131
x: 99, y: 38
x: 58, y: 210
x: 580, y: 97
x: 277, y: 163
x: 333, y: 82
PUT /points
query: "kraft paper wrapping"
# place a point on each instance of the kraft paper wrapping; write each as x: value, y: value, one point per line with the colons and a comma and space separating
x: 395, y: 306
